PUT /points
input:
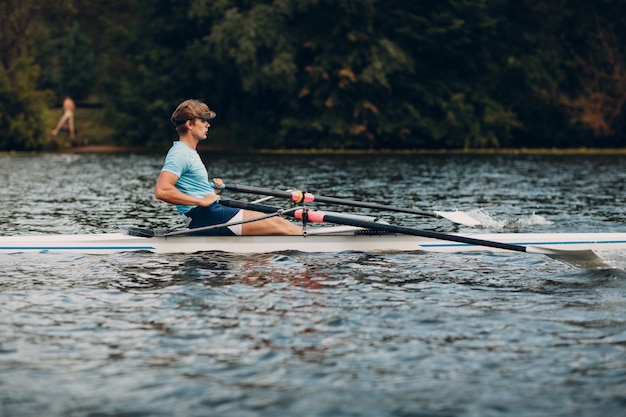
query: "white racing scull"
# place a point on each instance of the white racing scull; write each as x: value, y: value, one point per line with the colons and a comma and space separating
x: 570, y: 246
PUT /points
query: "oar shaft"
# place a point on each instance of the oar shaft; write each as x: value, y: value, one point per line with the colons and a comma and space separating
x: 316, y: 216
x: 302, y: 197
x: 338, y: 219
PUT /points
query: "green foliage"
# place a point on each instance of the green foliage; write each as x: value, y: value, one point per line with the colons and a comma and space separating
x: 582, y: 69
x: 351, y: 74
x: 23, y: 122
x: 319, y: 68
x: 453, y: 98
x: 77, y: 65
x: 363, y: 74
x: 22, y: 105
x: 161, y: 66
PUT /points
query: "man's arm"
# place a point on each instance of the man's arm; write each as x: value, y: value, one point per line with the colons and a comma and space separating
x: 165, y: 190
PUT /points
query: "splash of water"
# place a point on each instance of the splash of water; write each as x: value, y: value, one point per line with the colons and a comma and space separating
x: 488, y: 221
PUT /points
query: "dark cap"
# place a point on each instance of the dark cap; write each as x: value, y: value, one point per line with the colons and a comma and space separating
x: 205, y: 116
x: 191, y: 109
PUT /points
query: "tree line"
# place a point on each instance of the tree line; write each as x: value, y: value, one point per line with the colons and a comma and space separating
x: 338, y: 74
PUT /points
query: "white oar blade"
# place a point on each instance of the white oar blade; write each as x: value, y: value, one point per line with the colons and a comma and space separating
x: 584, y: 258
x: 459, y: 217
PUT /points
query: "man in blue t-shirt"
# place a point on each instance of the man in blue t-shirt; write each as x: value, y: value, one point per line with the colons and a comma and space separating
x: 184, y: 181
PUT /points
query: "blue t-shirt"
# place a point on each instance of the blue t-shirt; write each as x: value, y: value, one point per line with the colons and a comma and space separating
x: 193, y: 178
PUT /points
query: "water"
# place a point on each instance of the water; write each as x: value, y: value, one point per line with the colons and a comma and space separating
x: 285, y: 334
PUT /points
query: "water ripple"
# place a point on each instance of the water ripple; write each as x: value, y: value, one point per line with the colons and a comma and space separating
x: 479, y: 334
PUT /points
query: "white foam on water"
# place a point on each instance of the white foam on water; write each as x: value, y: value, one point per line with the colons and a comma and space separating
x: 490, y: 222
x: 486, y: 219
x: 533, y: 220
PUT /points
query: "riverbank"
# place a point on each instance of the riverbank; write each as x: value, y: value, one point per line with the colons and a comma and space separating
x: 94, y: 135
x: 206, y: 149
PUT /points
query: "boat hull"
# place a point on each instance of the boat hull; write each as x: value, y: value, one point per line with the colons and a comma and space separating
x: 122, y: 242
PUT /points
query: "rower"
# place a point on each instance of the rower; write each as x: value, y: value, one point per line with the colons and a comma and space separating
x: 184, y: 182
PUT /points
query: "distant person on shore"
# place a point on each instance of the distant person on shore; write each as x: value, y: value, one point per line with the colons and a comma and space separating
x: 69, y: 107
x: 184, y: 181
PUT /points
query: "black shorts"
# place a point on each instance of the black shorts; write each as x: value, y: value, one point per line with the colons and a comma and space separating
x: 214, y: 214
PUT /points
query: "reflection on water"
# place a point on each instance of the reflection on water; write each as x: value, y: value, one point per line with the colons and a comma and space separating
x: 313, y: 334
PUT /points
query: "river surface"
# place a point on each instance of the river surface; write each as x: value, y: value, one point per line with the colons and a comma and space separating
x: 293, y: 334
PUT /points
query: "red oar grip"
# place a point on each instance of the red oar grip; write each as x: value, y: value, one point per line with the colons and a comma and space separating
x: 302, y: 197
x: 313, y: 216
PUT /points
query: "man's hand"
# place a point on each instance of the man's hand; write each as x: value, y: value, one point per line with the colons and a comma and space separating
x: 208, y: 200
x: 217, y: 184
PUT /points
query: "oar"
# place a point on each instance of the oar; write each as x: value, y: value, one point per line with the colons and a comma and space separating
x: 303, y: 197
x: 577, y: 257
